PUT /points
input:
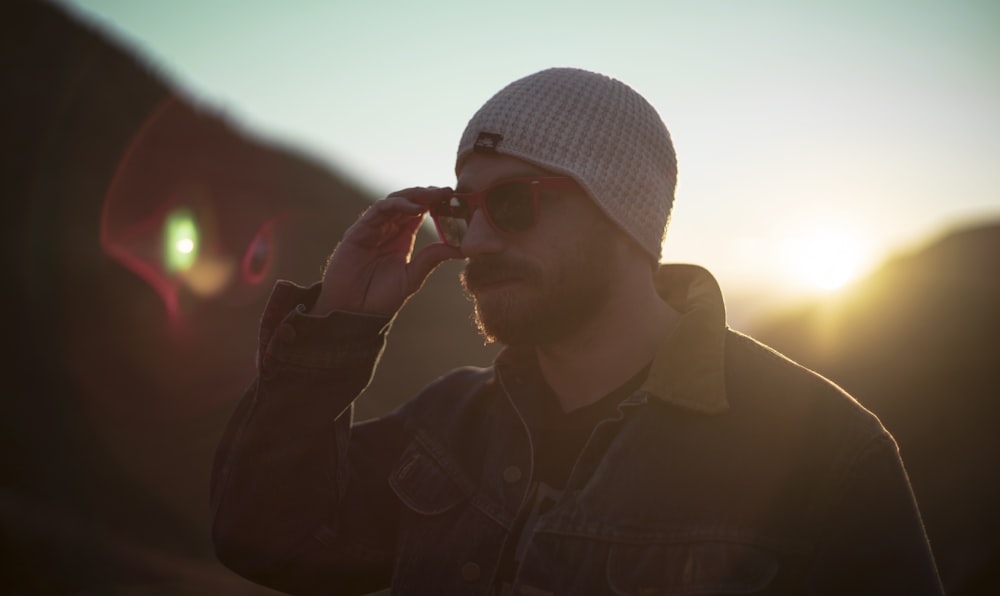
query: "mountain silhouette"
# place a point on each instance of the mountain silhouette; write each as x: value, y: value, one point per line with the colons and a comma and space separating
x: 918, y: 343
x: 122, y: 367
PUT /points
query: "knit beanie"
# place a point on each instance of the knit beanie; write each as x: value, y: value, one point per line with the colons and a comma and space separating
x: 594, y: 129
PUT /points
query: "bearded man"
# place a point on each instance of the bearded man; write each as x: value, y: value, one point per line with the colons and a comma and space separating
x: 625, y: 441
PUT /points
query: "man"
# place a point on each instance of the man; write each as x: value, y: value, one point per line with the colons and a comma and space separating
x: 625, y: 440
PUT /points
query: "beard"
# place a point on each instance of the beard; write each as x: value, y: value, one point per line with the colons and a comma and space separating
x: 540, y: 307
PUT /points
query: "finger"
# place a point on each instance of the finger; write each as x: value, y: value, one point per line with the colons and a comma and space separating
x: 394, y: 206
x: 387, y: 217
x: 425, y: 196
x: 399, y: 214
x: 406, y: 202
x: 391, y: 223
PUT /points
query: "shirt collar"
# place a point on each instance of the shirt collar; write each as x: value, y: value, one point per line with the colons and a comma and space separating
x: 688, y: 369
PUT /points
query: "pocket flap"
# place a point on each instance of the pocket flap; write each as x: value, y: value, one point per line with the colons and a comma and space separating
x: 422, y: 485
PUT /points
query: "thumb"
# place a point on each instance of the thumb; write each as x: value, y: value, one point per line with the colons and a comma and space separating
x: 427, y: 260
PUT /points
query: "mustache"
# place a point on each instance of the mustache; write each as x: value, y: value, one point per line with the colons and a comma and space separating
x: 488, y: 269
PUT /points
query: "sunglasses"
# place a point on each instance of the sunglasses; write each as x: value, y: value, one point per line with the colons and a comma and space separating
x: 510, y: 205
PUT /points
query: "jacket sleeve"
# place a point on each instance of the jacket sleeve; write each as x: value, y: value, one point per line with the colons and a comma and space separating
x: 299, y: 494
x: 875, y: 542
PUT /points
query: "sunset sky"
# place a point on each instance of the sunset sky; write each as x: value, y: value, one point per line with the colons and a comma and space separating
x: 813, y: 137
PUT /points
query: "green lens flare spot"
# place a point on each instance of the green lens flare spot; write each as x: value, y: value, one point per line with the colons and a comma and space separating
x: 180, y: 237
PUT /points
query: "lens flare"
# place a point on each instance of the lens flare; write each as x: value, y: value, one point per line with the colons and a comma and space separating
x: 180, y: 234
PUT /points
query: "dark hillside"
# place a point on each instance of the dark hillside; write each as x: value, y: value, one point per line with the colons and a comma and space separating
x: 123, y: 359
x: 918, y: 343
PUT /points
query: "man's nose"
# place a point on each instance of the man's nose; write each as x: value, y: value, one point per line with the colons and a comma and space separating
x: 480, y: 237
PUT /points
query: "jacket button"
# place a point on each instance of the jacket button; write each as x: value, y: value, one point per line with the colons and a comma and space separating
x: 286, y: 333
x: 512, y: 474
x: 470, y: 572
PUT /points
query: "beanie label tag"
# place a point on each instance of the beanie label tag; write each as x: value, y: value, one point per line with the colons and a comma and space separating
x: 487, y: 142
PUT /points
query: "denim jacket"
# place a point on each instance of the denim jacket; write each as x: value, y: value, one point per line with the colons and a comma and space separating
x: 732, y: 470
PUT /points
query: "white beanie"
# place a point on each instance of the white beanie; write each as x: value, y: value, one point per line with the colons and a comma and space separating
x: 593, y: 128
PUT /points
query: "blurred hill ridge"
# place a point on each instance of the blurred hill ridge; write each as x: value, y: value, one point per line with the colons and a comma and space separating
x: 918, y: 343
x: 121, y: 373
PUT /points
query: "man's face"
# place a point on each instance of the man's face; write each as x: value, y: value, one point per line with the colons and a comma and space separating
x: 539, y: 285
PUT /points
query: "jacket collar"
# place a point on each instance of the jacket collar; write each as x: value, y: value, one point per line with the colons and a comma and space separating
x: 688, y: 369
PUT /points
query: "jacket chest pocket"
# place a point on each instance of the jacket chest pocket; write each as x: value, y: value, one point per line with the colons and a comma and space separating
x: 422, y: 485
x: 690, y: 568
x: 435, y: 532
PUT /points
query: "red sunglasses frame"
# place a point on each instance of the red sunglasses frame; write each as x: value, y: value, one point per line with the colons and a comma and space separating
x: 476, y: 201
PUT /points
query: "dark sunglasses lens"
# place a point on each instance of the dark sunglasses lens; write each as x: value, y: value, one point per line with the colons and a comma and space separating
x: 451, y: 218
x: 512, y: 206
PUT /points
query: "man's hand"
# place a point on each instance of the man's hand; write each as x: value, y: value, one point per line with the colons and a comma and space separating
x: 373, y: 270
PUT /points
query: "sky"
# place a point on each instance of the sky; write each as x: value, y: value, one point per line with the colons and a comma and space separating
x: 813, y: 138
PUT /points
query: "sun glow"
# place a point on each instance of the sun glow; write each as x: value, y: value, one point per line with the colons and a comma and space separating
x: 824, y: 259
